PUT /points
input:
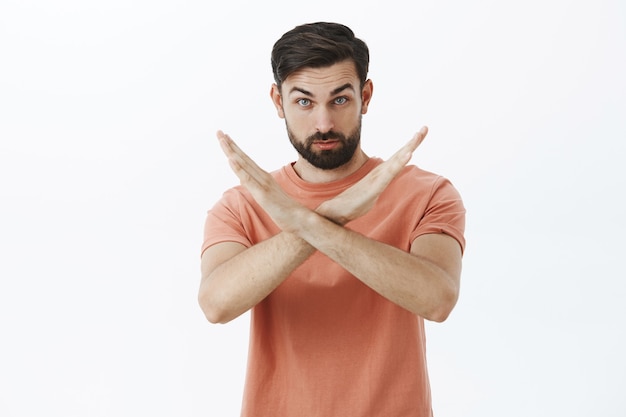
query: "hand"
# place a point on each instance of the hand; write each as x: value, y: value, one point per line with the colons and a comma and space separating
x: 360, y: 198
x: 263, y: 187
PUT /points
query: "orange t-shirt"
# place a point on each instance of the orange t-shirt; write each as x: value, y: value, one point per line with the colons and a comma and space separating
x: 323, y: 343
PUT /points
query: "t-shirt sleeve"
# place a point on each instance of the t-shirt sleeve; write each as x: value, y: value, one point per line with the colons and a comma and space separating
x: 445, y: 213
x: 223, y: 223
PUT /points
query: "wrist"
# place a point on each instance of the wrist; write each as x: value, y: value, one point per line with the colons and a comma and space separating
x: 326, y: 210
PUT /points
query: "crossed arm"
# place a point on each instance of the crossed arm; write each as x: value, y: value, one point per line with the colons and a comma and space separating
x: 235, y: 278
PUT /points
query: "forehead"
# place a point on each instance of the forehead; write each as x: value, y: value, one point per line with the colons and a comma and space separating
x: 322, y: 80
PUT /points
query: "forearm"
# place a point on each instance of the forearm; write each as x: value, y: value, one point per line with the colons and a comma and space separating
x: 413, y: 282
x: 239, y: 283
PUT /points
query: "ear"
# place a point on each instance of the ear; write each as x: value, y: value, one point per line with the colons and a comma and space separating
x: 277, y: 99
x: 366, y: 95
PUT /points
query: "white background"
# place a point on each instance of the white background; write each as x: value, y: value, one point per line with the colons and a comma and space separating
x: 108, y: 163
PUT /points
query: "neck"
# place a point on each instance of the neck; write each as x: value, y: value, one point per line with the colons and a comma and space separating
x: 310, y: 173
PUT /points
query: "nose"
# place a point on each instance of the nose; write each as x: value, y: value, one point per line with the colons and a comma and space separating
x: 323, y: 120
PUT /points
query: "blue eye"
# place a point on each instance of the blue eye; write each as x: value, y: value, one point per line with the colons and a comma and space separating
x: 304, y: 102
x: 341, y: 100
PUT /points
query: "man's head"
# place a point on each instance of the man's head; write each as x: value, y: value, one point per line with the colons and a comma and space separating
x: 322, y: 91
x: 316, y: 45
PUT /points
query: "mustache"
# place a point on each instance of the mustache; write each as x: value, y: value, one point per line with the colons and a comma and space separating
x: 325, y: 136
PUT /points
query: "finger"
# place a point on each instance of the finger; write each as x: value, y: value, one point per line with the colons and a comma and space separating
x: 404, y: 154
x: 244, y: 167
x: 229, y: 149
x: 225, y: 143
x: 417, y: 139
x: 235, y: 153
x: 228, y: 144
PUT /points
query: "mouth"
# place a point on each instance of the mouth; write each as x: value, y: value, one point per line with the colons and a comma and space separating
x: 326, y: 145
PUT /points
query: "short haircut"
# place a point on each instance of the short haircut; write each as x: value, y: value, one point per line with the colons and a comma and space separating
x: 318, y: 45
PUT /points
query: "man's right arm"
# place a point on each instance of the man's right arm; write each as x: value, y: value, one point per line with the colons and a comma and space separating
x: 236, y: 278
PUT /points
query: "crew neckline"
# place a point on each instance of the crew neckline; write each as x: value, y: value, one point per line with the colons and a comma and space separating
x: 357, y: 175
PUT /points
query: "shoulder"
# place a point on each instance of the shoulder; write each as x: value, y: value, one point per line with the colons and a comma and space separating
x: 424, y: 182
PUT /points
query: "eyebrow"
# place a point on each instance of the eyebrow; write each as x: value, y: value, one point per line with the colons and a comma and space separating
x: 337, y: 90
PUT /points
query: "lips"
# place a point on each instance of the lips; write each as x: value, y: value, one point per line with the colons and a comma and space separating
x: 326, y: 144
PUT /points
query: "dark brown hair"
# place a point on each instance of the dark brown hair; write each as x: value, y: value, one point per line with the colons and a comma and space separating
x: 317, y: 45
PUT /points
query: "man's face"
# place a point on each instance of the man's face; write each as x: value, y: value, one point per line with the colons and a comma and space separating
x: 322, y: 108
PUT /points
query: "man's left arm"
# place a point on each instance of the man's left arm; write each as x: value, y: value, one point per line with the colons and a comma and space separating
x: 425, y: 281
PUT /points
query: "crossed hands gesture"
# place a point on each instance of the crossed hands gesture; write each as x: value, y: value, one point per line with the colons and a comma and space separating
x: 345, y: 207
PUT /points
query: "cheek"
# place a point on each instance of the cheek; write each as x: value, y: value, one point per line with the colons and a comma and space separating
x: 348, y: 118
x: 295, y: 121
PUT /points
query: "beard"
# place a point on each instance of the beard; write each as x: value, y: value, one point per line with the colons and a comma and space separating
x: 332, y: 158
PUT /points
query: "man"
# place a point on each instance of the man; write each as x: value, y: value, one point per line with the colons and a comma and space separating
x: 340, y: 256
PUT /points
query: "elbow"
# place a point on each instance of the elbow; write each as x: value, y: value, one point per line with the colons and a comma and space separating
x: 212, y: 310
x: 214, y: 317
x: 439, y: 316
x: 444, y: 306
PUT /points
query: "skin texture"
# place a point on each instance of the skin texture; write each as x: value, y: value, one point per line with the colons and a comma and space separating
x: 235, y: 278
